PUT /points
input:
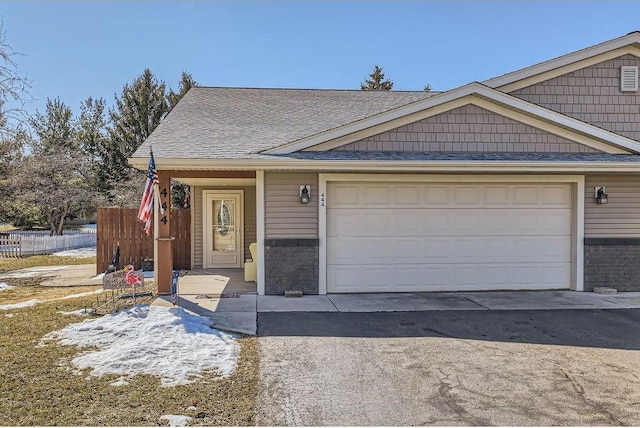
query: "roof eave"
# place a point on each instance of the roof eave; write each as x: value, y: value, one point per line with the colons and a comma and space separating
x: 284, y: 164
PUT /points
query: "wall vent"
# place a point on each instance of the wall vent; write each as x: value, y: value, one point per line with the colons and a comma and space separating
x: 629, y: 78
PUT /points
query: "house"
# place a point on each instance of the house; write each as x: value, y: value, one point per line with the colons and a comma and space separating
x: 530, y: 180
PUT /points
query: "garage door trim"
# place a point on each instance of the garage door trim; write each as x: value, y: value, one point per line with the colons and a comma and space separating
x: 577, y: 202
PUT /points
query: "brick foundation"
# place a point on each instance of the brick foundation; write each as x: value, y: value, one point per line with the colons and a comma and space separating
x: 291, y: 264
x: 612, y: 262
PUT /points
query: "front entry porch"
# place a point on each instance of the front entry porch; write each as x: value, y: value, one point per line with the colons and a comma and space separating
x: 215, y: 282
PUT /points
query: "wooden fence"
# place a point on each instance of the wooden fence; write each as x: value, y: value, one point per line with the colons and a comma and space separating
x: 120, y: 225
x: 29, y: 243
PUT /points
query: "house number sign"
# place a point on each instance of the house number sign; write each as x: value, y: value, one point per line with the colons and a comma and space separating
x: 163, y: 205
x: 322, y: 200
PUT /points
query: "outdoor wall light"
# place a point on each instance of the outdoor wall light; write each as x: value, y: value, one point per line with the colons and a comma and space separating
x: 305, y: 194
x: 601, y: 195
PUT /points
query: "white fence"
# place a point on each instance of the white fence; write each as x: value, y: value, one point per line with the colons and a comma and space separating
x: 21, y: 244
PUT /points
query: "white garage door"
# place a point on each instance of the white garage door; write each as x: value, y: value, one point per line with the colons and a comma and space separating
x: 458, y: 236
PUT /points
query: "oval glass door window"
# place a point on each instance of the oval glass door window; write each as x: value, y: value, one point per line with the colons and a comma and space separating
x: 224, y: 219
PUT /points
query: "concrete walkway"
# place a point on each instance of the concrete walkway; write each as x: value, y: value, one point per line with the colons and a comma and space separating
x: 239, y: 313
x: 59, y: 276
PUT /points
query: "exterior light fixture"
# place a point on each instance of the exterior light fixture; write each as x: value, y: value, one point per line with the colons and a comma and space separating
x: 601, y: 195
x: 305, y: 194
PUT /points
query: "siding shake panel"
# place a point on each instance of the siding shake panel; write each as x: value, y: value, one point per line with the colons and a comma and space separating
x: 467, y: 128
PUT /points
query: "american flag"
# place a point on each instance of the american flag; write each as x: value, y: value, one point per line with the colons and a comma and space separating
x: 145, y: 213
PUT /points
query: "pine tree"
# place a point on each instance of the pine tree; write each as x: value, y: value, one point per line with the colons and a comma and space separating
x: 376, y: 81
x: 186, y: 83
x: 55, y: 128
x: 139, y: 110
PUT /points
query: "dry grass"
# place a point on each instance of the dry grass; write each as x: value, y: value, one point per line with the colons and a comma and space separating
x: 45, y: 260
x: 7, y: 227
x: 39, y: 388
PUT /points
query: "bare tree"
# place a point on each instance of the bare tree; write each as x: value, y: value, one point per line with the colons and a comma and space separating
x: 13, y: 91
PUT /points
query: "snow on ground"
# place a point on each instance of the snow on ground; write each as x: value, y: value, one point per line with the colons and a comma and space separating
x: 81, y: 312
x: 88, y: 293
x: 172, y: 343
x: 78, y: 252
x: 28, y: 303
x: 5, y: 286
x: 177, y: 420
x: 99, y: 276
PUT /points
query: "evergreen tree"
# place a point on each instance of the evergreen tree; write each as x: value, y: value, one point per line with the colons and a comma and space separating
x: 186, y: 83
x: 139, y: 110
x: 55, y: 128
x: 92, y: 128
x: 376, y: 81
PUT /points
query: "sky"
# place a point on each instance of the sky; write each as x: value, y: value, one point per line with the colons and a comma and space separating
x: 77, y: 49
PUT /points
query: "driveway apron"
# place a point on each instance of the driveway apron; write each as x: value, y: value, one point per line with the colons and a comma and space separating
x: 535, y: 367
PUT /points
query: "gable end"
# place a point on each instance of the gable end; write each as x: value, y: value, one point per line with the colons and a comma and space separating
x: 592, y: 95
x: 468, y: 129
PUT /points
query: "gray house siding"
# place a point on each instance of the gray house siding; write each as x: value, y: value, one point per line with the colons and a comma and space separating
x: 468, y: 129
x: 612, y: 233
x: 291, y: 232
x: 592, y: 95
x: 249, y: 220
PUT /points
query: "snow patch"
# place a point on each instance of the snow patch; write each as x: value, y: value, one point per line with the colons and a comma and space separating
x: 78, y: 252
x: 177, y: 420
x: 5, y: 286
x: 81, y: 312
x: 172, y: 343
x: 120, y: 382
x: 88, y: 293
x: 100, y: 276
x: 26, y: 304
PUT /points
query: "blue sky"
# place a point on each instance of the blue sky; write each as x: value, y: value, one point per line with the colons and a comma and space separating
x: 77, y: 49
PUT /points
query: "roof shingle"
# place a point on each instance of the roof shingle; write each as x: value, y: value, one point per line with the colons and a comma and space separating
x: 231, y: 123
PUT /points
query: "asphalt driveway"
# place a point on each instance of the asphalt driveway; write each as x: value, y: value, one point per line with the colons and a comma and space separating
x: 553, y: 367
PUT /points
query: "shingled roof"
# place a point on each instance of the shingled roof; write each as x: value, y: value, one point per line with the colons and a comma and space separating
x: 231, y: 123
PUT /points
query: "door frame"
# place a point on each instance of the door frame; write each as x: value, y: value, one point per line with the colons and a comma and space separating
x: 208, y: 195
x: 577, y: 202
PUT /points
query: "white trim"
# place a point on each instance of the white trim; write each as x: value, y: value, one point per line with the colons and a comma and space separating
x: 578, y: 229
x: 322, y: 233
x: 260, y: 231
x: 579, y: 236
x: 208, y: 195
x: 561, y: 65
x: 407, y: 114
x: 289, y: 164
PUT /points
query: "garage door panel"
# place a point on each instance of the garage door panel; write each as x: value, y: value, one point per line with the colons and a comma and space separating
x: 407, y: 278
x: 448, y: 236
x: 443, y: 222
x: 449, y: 195
x: 450, y: 250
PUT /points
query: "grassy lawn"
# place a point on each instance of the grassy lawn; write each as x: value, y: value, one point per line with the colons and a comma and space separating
x: 40, y: 387
x: 44, y: 260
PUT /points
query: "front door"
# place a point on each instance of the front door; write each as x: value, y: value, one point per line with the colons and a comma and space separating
x: 223, y: 229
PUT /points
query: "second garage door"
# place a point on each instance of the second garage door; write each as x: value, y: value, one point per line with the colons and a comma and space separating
x: 432, y: 237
